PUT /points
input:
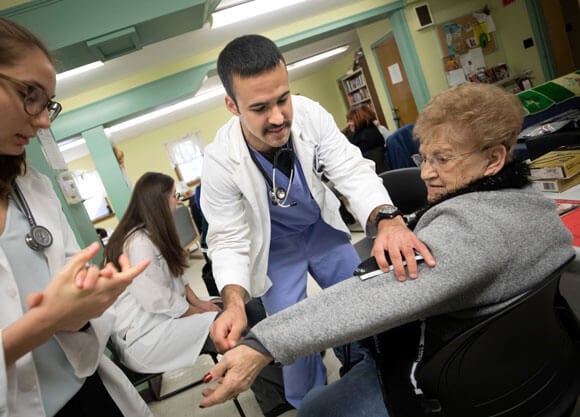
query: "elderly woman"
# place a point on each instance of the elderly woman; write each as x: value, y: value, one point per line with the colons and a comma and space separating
x: 477, y: 223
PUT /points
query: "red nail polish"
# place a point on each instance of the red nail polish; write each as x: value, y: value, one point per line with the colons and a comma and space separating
x: 207, y: 378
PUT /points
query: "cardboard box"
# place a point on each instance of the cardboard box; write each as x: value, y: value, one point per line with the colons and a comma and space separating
x: 556, y: 185
x: 558, y: 164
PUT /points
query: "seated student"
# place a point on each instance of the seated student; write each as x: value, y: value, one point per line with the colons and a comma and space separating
x: 161, y: 324
x: 154, y: 314
x: 365, y: 134
x: 477, y: 224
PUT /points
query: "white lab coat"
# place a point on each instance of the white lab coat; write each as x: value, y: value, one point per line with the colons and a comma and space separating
x: 235, y: 203
x: 19, y: 389
x: 149, y: 331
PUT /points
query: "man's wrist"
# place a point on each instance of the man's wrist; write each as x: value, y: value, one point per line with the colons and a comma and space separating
x: 234, y: 296
x: 385, y: 212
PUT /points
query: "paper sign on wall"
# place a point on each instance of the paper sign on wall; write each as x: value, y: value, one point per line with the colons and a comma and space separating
x: 395, y: 73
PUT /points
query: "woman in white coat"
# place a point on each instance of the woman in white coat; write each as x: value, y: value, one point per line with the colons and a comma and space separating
x: 52, y: 361
x: 161, y: 324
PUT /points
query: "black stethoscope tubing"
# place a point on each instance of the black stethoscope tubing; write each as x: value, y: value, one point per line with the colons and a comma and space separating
x: 278, y: 195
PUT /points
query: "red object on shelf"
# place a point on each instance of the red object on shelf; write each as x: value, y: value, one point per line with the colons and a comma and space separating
x: 571, y: 220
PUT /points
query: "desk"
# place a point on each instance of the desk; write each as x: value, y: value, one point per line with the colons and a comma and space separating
x: 571, y: 195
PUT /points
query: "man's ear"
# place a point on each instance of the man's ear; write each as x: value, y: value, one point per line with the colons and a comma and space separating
x: 497, y: 156
x: 232, y: 106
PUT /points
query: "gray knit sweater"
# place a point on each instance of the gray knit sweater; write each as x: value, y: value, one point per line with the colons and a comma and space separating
x: 489, y: 247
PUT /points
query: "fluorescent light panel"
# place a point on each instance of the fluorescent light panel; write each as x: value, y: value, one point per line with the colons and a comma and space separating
x: 204, y: 95
x: 248, y: 10
x: 78, y: 70
x: 317, y: 58
x: 166, y: 110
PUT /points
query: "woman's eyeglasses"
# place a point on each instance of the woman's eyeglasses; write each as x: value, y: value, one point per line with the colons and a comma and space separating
x: 35, y: 98
x: 437, y: 161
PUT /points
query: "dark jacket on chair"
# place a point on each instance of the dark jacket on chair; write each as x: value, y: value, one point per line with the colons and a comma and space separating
x: 367, y: 139
x: 400, y: 147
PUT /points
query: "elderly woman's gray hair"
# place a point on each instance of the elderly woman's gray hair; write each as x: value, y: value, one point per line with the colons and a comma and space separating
x: 480, y: 114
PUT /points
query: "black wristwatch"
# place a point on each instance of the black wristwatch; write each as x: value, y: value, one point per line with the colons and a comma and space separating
x: 387, y: 212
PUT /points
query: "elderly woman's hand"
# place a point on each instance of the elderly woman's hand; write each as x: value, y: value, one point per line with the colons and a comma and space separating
x: 236, y: 372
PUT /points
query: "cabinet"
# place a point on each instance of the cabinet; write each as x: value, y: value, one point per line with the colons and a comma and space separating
x: 357, y: 88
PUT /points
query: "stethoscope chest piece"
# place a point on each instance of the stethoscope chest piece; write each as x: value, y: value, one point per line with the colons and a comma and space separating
x: 38, y: 238
x: 280, y: 193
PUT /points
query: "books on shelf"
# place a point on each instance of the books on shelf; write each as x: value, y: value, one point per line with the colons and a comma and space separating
x: 557, y: 164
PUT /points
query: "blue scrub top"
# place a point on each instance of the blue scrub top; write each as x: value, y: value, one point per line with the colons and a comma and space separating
x: 287, y: 221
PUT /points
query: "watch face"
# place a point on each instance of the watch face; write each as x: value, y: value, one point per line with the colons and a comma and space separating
x: 389, y: 210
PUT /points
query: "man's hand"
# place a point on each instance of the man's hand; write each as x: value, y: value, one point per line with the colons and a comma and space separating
x: 226, y: 331
x: 394, y: 237
x: 236, y: 372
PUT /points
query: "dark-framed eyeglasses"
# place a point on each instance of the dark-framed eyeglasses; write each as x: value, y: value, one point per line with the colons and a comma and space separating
x: 35, y: 98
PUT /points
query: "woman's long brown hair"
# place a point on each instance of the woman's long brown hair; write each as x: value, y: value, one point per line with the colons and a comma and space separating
x: 149, y: 209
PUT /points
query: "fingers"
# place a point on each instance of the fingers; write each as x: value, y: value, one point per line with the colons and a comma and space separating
x: 218, y: 332
x: 426, y: 254
x: 398, y: 266
x: 34, y: 299
x: 129, y: 272
x: 80, y: 259
x: 220, y: 393
x: 87, y: 278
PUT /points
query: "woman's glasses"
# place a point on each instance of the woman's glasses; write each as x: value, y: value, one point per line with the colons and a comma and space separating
x: 438, y: 161
x: 35, y: 98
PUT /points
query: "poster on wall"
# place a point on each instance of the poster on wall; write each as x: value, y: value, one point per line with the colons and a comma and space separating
x: 462, y: 34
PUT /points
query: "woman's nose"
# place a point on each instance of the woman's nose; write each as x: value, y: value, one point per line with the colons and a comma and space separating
x: 41, y: 120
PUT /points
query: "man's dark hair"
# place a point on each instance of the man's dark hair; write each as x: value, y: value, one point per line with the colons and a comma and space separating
x: 247, y: 56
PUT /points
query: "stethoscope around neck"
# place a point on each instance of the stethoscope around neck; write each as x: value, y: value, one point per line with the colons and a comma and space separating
x: 39, y: 237
x: 278, y: 195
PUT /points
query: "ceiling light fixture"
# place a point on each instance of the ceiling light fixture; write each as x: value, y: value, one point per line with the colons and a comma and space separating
x: 198, y: 98
x: 78, y: 70
x: 248, y: 10
x: 317, y: 58
x: 205, y: 94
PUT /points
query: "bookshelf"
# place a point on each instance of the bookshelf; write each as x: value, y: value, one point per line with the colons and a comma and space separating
x: 357, y: 88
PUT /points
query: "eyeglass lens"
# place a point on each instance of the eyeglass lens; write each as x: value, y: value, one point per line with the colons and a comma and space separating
x: 36, y: 101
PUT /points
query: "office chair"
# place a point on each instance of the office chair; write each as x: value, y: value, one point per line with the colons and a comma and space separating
x: 400, y: 146
x: 521, y: 361
x: 188, y: 233
x: 377, y: 155
x: 154, y: 380
x: 408, y: 192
